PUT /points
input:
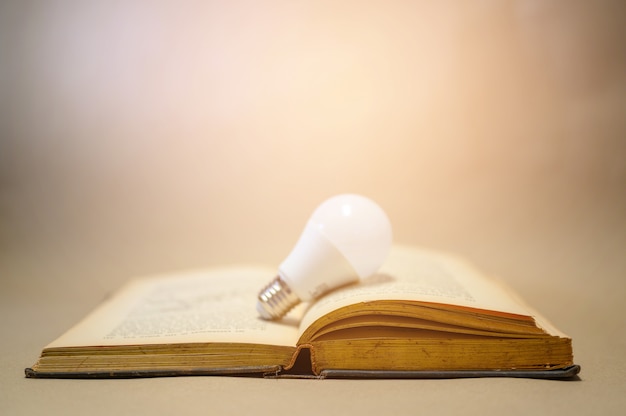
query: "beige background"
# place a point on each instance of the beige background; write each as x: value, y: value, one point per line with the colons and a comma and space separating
x: 141, y: 137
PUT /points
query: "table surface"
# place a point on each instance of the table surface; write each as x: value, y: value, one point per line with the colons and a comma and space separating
x: 42, y: 296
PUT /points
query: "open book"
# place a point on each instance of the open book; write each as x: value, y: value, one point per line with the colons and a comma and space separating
x: 425, y: 314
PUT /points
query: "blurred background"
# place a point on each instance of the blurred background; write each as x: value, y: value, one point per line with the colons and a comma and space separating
x: 139, y: 137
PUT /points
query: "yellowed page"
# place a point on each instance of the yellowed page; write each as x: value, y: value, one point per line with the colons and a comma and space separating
x: 216, y: 305
x: 414, y: 274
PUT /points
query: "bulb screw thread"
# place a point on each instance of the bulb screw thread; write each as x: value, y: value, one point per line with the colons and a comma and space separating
x: 276, y: 299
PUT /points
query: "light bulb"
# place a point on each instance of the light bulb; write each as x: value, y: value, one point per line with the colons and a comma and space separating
x: 347, y: 237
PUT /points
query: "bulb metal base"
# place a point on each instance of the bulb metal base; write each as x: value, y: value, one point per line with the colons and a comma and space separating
x: 276, y: 299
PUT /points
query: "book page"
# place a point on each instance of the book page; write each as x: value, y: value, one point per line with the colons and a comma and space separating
x: 216, y: 305
x: 413, y: 274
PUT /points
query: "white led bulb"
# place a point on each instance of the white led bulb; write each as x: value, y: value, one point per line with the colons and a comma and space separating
x: 347, y: 238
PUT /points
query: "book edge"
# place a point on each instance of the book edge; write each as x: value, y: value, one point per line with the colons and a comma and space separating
x: 276, y: 372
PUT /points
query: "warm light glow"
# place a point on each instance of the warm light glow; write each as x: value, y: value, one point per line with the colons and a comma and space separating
x: 209, y: 129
